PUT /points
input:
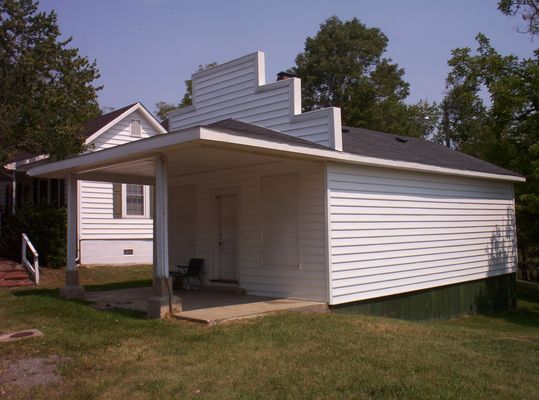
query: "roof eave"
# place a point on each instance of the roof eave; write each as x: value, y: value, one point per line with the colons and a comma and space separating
x: 162, y: 143
x: 338, y: 156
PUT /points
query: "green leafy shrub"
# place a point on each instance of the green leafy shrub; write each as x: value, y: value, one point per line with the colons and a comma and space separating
x: 46, y: 227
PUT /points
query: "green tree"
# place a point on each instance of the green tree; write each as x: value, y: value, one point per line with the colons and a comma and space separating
x: 343, y: 65
x: 46, y: 87
x: 163, y: 108
x: 492, y: 102
x: 528, y: 10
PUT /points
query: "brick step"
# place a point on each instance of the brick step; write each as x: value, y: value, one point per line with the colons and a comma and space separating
x: 16, y: 283
x: 9, y: 265
x: 13, y: 275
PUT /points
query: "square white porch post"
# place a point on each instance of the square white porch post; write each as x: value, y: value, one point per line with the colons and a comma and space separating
x: 72, y: 287
x: 163, y: 302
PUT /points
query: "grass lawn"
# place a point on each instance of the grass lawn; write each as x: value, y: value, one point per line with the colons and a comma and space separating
x: 121, y: 355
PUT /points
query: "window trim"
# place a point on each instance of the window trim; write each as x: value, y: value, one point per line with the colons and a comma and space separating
x: 146, y: 204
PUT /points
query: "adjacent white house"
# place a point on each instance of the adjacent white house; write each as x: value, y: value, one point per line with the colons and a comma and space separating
x: 289, y: 204
x: 114, y: 223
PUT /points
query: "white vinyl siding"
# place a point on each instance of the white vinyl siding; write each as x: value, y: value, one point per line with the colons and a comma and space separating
x: 280, y: 245
x: 97, y: 223
x: 233, y: 91
x: 307, y: 282
x: 393, y: 231
x: 120, y: 133
x: 96, y: 216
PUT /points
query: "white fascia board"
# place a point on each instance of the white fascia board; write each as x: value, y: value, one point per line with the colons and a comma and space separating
x: 112, y: 123
x: 14, y: 165
x: 337, y: 156
x: 151, y: 119
x: 125, y: 152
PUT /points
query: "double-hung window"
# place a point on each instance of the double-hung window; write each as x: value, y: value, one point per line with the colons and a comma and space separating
x: 136, y: 201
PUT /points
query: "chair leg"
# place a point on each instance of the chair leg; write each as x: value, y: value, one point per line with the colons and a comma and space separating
x: 189, y: 283
x: 200, y: 280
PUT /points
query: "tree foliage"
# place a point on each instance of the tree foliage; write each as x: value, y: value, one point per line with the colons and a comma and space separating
x: 343, y: 65
x: 493, y: 102
x: 528, y: 10
x: 45, y: 224
x: 164, y: 108
x: 46, y: 87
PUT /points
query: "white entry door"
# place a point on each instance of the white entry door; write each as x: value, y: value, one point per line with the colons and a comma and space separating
x: 226, y: 237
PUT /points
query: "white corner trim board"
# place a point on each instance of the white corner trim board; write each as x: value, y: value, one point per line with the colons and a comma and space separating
x: 237, y: 89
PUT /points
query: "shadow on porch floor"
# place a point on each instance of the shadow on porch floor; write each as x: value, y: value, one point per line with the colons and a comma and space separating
x: 207, y: 307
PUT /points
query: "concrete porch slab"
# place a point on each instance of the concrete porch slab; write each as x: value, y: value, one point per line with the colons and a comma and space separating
x: 204, y: 306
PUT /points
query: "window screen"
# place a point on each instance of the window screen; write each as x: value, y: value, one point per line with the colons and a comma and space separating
x: 280, y: 221
x: 134, y: 200
x: 135, y: 127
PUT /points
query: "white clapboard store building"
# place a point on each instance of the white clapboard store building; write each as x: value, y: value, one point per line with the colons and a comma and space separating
x: 283, y: 203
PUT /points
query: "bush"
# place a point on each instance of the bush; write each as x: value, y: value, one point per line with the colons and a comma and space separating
x: 529, y: 270
x: 46, y: 227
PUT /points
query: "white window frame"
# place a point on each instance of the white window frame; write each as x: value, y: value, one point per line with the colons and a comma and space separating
x: 131, y: 127
x: 146, y: 192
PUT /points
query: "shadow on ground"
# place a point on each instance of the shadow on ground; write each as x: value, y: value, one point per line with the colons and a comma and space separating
x: 54, y: 293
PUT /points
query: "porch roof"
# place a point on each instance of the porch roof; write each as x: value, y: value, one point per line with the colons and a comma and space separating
x: 224, y: 144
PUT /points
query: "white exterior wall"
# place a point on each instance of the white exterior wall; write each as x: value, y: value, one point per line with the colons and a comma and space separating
x: 309, y: 280
x: 111, y: 252
x: 237, y: 90
x: 393, y: 232
x: 119, y: 133
x: 103, y: 238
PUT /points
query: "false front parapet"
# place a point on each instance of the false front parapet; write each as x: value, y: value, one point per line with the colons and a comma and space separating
x: 237, y: 89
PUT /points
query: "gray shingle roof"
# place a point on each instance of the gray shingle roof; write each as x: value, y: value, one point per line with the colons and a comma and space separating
x: 369, y: 143
x: 403, y: 148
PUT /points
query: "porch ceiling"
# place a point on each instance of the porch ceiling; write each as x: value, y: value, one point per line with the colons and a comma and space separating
x: 184, y: 161
x: 191, y: 151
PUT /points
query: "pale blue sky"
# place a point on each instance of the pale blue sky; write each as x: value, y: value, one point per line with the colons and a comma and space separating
x: 145, y: 49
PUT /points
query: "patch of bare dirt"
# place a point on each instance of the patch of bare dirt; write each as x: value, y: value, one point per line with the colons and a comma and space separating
x: 28, y: 372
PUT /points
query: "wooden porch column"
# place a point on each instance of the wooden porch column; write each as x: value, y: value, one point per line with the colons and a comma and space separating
x: 72, y: 288
x: 163, y: 302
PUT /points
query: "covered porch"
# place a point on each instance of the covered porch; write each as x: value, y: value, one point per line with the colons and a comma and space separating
x: 247, y: 200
